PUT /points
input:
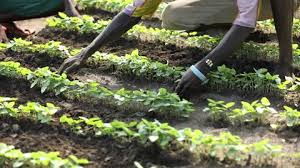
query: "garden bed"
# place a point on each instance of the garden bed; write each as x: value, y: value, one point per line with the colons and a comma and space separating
x: 95, y: 123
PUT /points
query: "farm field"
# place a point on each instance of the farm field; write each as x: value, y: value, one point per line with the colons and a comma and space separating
x: 120, y: 110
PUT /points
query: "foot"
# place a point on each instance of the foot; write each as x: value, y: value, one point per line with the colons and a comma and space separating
x: 14, y: 30
x: 3, y: 37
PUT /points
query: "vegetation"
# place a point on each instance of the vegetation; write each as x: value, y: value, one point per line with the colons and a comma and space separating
x: 249, y: 50
x: 225, y: 147
x: 258, y: 112
x: 259, y: 81
x: 132, y: 64
x: 161, y: 102
x: 11, y: 157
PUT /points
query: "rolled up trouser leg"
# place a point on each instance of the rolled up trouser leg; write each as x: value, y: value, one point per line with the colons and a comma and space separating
x: 191, y: 14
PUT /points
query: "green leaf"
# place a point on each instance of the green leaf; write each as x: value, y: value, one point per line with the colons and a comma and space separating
x: 153, y: 138
x: 265, y: 101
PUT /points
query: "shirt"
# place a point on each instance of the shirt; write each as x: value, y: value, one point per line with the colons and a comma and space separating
x: 29, y: 8
x: 247, y: 15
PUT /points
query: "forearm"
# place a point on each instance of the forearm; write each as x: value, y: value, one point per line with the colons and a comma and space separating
x: 119, y: 25
x: 231, y: 41
x: 69, y: 4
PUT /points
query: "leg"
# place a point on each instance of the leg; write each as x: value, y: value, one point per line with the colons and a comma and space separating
x: 283, y: 17
x: 191, y: 14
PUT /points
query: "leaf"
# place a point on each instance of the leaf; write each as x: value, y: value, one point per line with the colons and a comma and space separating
x: 138, y: 165
x: 229, y: 105
x: 248, y: 107
x: 265, y: 101
x: 153, y: 138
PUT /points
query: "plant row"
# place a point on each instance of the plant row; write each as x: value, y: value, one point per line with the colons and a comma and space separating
x: 225, y: 147
x: 258, y: 112
x: 260, y: 81
x: 11, y: 157
x: 249, y: 50
x: 132, y: 64
x: 161, y: 102
x: 30, y: 110
x: 113, y: 6
x: 267, y: 26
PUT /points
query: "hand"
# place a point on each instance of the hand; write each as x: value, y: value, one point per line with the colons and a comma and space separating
x: 3, y: 37
x: 188, y: 82
x: 71, y: 64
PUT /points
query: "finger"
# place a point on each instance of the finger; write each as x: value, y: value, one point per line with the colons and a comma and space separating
x: 71, y: 68
x: 179, y: 87
x: 62, y: 68
x: 182, y: 93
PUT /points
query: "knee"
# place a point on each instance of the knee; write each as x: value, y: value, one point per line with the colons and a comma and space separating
x: 170, y: 17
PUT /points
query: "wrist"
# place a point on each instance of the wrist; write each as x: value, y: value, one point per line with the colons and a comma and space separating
x: 199, y: 74
x: 203, y: 66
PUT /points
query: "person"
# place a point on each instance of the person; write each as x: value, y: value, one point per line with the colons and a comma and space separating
x: 191, y: 14
x: 14, y: 10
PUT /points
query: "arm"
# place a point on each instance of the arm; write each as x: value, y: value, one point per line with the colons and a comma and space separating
x: 121, y: 23
x: 242, y: 27
x: 70, y: 9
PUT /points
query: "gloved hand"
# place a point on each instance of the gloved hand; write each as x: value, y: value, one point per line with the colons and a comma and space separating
x: 119, y: 25
x: 71, y: 64
x: 231, y: 41
x: 188, y: 82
